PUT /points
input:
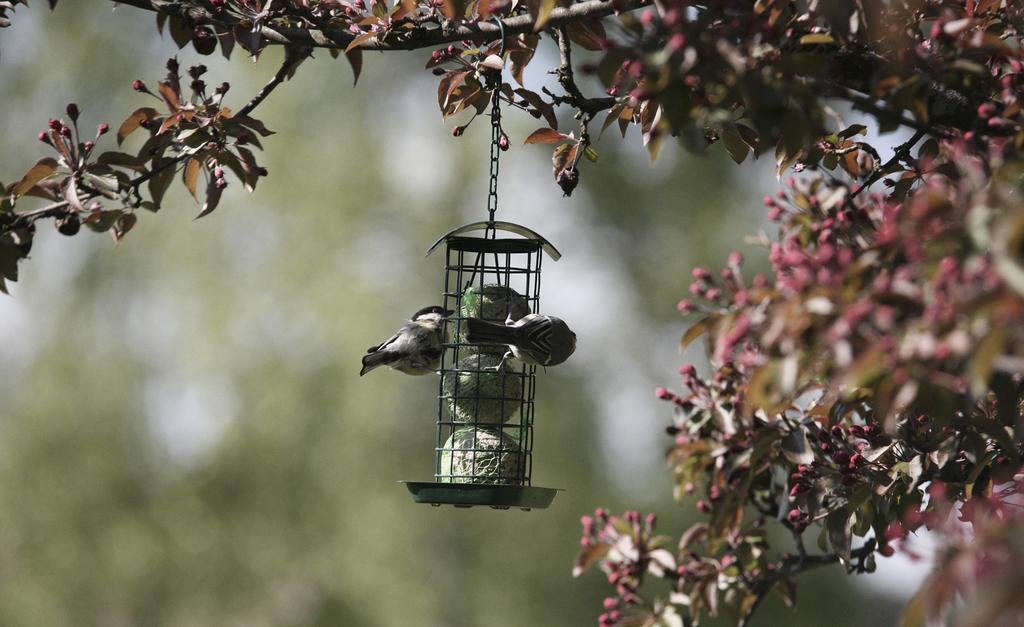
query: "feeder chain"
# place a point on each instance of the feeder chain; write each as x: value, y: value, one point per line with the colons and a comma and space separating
x: 496, y: 134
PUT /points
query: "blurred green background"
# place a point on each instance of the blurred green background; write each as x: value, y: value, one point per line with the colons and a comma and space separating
x: 184, y: 438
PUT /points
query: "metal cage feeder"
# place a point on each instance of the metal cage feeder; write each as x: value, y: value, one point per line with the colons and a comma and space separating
x: 485, y: 411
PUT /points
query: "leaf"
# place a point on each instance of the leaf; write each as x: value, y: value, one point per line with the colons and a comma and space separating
x: 190, y: 176
x: 541, y: 105
x: 588, y: 556
x: 544, y: 9
x: 796, y: 447
x: 361, y: 39
x: 787, y: 590
x: 589, y: 34
x: 546, y: 136
x: 254, y: 124
x: 696, y: 330
x: 160, y: 181
x: 493, y: 62
x: 42, y: 169
x: 213, y: 194
x: 124, y: 224
x: 170, y: 96
x: 520, y: 56
x: 122, y: 160
x: 453, y: 9
x: 9, y: 256
x: 590, y: 154
x: 734, y: 144
x: 448, y: 84
x: 355, y: 60
x: 817, y: 38
x: 71, y: 195
x: 983, y: 362
x: 853, y: 129
x: 839, y: 535
x: 133, y: 122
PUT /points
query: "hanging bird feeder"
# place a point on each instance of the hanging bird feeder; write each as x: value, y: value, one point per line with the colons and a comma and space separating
x: 483, y: 452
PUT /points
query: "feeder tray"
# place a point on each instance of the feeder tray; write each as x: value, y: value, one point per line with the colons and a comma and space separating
x: 469, y: 494
x: 484, y: 437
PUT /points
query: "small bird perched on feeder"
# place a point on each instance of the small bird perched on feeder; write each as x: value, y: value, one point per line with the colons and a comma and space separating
x: 533, y: 339
x: 416, y: 347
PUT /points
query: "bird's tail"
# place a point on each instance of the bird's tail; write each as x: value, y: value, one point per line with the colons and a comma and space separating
x: 375, y: 360
x: 483, y: 332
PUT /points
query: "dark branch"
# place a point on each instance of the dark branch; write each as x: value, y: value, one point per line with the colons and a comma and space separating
x: 293, y: 57
x: 564, y: 73
x: 416, y: 38
x: 901, y: 153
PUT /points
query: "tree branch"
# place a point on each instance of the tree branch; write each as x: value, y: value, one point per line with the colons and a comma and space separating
x: 902, y: 152
x: 416, y: 38
x: 586, y: 106
x: 293, y: 57
x: 797, y: 565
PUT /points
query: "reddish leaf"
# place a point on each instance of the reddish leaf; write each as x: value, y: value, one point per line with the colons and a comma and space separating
x: 541, y: 105
x: 355, y: 59
x: 123, y: 225
x: 133, y: 122
x: 121, y: 159
x: 160, y: 181
x: 453, y: 9
x: 170, y: 96
x: 213, y: 194
x: 190, y: 176
x: 42, y: 169
x: 448, y: 84
x: 546, y: 136
x: 360, y: 40
x: 589, y: 34
x: 520, y: 56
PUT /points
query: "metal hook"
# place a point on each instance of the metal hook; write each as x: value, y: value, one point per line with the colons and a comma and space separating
x: 501, y: 27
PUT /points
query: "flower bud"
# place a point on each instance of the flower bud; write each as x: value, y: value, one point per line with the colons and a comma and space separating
x: 221, y: 183
x: 102, y: 129
x: 44, y: 137
x: 503, y: 142
x: 458, y: 130
x: 73, y: 112
x: 138, y: 85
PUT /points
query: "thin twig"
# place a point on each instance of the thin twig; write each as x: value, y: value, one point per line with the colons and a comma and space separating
x: 292, y: 58
x: 902, y: 152
x: 566, y: 78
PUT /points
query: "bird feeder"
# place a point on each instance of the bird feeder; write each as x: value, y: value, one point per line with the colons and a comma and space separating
x: 483, y: 452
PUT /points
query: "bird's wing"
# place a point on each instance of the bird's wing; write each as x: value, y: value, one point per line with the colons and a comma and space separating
x: 536, y: 333
x: 374, y: 349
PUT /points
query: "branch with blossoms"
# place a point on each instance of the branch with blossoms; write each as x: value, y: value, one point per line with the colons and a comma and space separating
x: 195, y: 135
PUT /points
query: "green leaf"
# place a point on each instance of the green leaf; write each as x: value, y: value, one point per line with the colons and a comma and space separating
x: 590, y: 154
x: 734, y: 143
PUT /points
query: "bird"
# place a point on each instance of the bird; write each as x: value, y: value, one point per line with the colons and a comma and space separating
x: 415, y: 348
x: 533, y: 339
